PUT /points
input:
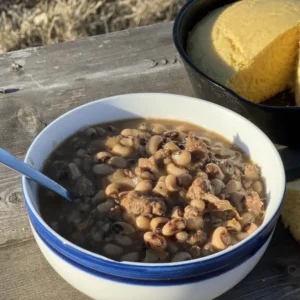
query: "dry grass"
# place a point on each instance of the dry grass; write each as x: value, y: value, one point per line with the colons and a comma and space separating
x: 30, y: 23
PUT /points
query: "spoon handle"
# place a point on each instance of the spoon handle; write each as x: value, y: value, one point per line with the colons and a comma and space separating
x: 20, y: 166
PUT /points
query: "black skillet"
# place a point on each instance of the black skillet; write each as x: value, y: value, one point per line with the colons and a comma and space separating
x: 280, y: 123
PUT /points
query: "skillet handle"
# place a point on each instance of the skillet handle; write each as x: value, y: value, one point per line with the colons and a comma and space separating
x: 291, y: 162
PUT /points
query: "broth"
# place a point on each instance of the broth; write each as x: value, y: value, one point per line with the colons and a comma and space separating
x: 153, y: 191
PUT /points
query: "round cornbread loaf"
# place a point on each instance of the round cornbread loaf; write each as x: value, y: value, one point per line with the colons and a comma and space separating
x: 250, y: 46
x: 290, y: 211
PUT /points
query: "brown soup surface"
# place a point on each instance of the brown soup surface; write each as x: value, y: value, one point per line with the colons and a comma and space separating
x: 153, y: 191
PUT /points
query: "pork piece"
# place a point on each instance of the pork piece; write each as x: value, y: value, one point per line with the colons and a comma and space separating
x: 196, y: 146
x: 221, y: 208
x: 199, y: 187
x: 252, y: 203
x: 252, y: 172
x: 84, y: 187
x: 138, y: 203
x: 147, y: 165
x: 124, y: 177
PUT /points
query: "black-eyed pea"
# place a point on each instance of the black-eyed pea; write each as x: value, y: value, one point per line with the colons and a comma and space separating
x: 173, y: 226
x: 194, y: 223
x: 214, y: 171
x: 144, y: 126
x: 155, y: 256
x: 199, y: 204
x: 147, y: 176
x: 171, y: 147
x: 207, y: 249
x: 199, y: 237
x: 220, y: 239
x: 112, y: 250
x: 191, y: 211
x: 195, y: 251
x: 234, y: 240
x: 144, y: 186
x: 130, y: 132
x: 246, y: 232
x: 77, y: 161
x: 181, y: 158
x: 97, y: 234
x: 181, y: 256
x: 91, y: 132
x: 143, y: 223
x: 128, y: 141
x: 105, y: 206
x: 252, y: 172
x: 128, y: 218
x: 158, y: 223
x: 103, y: 169
x: 232, y: 186
x: 74, y: 171
x: 185, y: 180
x: 158, y: 129
x: 112, y: 190
x: 171, y: 183
x: 132, y: 257
x: 218, y: 185
x: 117, y: 162
x: 123, y: 240
x: 82, y: 153
x: 153, y: 144
x: 172, y: 169
x: 181, y: 237
x: 258, y: 187
x: 233, y: 225
x: 101, y: 156
x: 123, y: 228
x: 100, y: 131
x: 99, y: 197
x: 237, y: 200
x: 247, y: 218
x: 182, y: 128
x: 155, y: 241
x: 172, y: 247
x: 176, y: 212
x: 161, y: 189
x: 121, y: 150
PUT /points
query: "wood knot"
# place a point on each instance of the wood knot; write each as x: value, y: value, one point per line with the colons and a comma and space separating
x: 16, y: 67
x: 292, y: 269
x: 30, y: 120
x: 15, y: 198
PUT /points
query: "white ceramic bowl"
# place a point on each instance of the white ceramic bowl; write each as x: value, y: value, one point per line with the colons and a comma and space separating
x: 201, y: 279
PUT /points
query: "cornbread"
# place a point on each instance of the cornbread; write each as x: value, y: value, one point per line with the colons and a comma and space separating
x: 290, y: 212
x: 297, y: 84
x: 250, y: 46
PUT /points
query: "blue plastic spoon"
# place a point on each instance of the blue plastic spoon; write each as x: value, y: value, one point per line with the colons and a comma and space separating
x: 33, y: 174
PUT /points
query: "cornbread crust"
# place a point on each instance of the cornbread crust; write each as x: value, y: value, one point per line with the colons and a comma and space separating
x: 290, y: 211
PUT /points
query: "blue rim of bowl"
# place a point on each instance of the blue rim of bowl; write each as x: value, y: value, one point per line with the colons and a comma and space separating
x: 145, y: 282
x: 180, y: 48
x: 162, y: 270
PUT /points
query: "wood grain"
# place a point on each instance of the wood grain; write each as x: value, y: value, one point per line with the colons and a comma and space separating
x: 55, y: 79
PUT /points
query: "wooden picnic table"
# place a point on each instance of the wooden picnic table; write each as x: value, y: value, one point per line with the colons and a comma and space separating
x: 57, y: 78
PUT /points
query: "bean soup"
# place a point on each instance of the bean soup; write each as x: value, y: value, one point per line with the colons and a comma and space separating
x: 153, y: 191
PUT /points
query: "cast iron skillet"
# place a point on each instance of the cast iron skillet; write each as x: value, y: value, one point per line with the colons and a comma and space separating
x: 279, y: 123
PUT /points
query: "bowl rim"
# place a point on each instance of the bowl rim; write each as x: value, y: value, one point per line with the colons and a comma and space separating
x: 180, y: 48
x: 158, y: 266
